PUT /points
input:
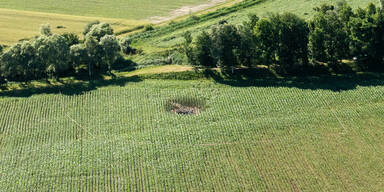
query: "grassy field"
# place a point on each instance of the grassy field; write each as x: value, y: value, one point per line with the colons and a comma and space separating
x: 16, y: 25
x: 20, y: 19
x: 125, y: 9
x: 274, y: 136
x: 304, y: 8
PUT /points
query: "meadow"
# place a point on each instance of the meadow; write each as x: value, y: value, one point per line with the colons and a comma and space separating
x: 20, y: 19
x: 258, y: 136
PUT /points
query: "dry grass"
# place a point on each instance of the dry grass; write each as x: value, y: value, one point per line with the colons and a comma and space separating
x: 16, y: 25
x: 158, y: 69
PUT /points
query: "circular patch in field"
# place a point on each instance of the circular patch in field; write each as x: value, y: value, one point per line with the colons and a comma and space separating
x: 185, y: 105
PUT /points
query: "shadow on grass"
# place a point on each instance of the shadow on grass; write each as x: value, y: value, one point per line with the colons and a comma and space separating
x: 70, y: 88
x: 265, y: 78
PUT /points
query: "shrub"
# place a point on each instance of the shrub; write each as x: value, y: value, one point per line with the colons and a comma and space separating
x: 45, y: 29
x: 149, y: 27
x: 125, y: 46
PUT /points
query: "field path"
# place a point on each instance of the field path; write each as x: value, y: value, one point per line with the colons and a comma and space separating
x: 185, y: 10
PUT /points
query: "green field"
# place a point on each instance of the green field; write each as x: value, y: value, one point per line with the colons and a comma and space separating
x: 259, y: 133
x: 126, y: 9
x: 261, y: 136
x: 303, y: 8
x: 21, y: 19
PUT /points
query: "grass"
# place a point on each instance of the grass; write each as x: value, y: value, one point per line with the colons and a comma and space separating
x: 128, y: 9
x: 152, y: 43
x: 16, y: 25
x: 19, y: 19
x: 282, y: 137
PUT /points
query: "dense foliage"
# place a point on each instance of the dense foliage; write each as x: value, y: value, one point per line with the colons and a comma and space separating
x: 52, y: 55
x: 291, y: 43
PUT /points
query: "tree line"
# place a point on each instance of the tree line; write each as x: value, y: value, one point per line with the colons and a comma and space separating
x: 52, y: 56
x: 291, y: 44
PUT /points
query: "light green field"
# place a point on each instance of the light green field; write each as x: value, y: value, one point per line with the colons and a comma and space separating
x: 125, y: 9
x: 21, y: 19
x: 267, y: 137
x: 16, y: 25
x: 303, y: 8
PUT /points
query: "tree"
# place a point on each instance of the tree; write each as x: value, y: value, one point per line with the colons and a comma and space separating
x: 111, y: 49
x: 53, y: 51
x: 12, y: 68
x: 100, y: 30
x: 283, y: 39
x: 328, y: 38
x: 92, y: 46
x: 71, y: 38
x: 248, y: 52
x: 79, y: 56
x: 188, y: 49
x: 225, y: 41
x: 202, y: 52
x: 367, y: 37
x: 89, y: 26
x: 267, y: 37
x: 45, y: 29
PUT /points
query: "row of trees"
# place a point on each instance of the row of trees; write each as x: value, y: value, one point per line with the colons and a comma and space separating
x: 51, y: 55
x: 291, y: 43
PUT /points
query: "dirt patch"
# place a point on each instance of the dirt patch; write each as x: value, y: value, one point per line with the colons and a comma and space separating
x: 185, y: 10
x: 184, y: 110
x: 185, y: 106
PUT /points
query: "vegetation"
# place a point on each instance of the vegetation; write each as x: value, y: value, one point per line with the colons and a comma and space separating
x: 271, y: 135
x: 333, y: 34
x: 142, y: 9
x: 52, y: 55
x: 233, y: 120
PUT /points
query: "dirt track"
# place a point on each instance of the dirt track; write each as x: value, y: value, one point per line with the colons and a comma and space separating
x: 185, y: 10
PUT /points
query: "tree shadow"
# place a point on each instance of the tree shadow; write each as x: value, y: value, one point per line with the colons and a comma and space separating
x: 265, y: 78
x: 70, y: 88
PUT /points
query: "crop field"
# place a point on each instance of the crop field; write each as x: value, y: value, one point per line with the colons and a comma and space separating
x: 21, y: 19
x: 126, y: 9
x: 255, y: 137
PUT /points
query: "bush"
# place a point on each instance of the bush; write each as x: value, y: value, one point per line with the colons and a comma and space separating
x: 125, y: 46
x: 149, y: 27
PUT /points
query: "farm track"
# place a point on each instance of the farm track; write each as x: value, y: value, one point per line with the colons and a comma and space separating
x: 248, y: 138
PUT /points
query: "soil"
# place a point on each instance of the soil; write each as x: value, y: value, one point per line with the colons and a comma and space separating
x: 184, y: 110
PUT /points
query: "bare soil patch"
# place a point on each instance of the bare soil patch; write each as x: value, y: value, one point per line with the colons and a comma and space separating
x: 185, y: 106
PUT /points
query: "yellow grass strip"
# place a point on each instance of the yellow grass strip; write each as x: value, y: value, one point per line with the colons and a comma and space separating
x: 16, y: 24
